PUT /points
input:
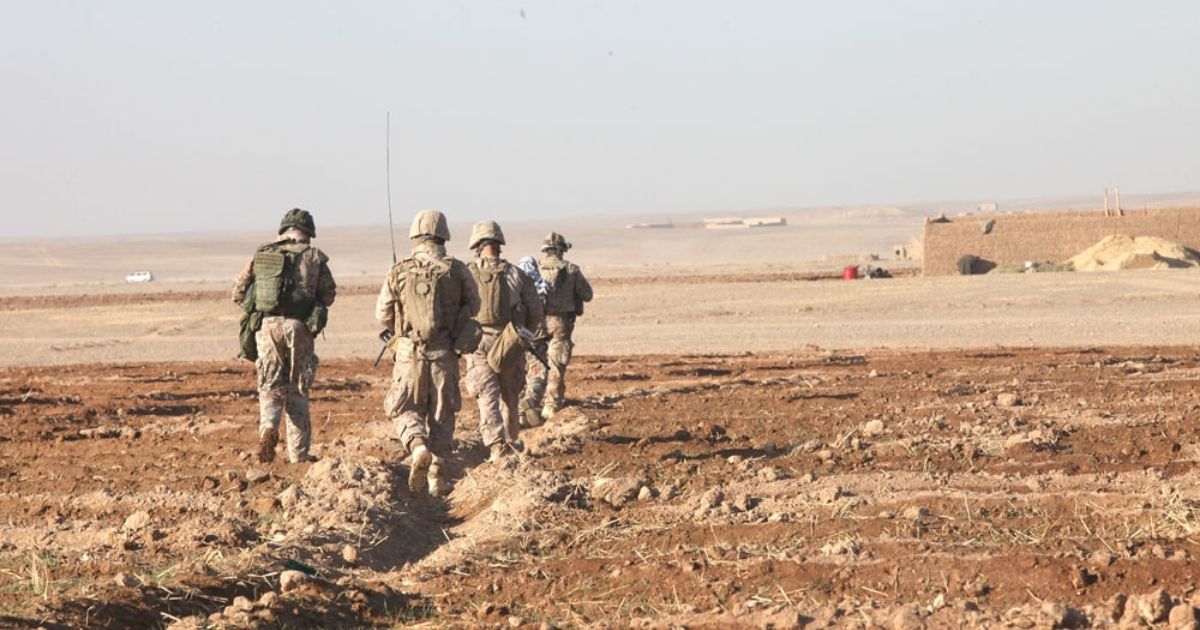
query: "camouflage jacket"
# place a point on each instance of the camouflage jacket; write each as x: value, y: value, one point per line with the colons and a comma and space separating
x: 569, y: 289
x: 457, y: 293
x: 312, y: 274
x: 524, y: 307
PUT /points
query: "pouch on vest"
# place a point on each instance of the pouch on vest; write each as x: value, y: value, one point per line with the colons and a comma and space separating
x: 468, y: 337
x: 508, y: 348
x: 249, y: 326
x: 317, y: 319
x: 269, y: 279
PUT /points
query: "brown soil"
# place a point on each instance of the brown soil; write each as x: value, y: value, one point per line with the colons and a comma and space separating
x: 947, y: 488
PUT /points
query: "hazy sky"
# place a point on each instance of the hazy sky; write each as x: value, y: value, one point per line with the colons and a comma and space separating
x: 144, y: 116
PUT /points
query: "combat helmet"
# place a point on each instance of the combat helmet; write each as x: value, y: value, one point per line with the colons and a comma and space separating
x: 485, y: 231
x: 299, y: 219
x: 555, y: 242
x: 429, y: 223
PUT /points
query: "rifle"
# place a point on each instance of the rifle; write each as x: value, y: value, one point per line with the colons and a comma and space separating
x: 385, y: 336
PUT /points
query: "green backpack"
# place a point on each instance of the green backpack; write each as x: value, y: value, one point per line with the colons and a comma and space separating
x: 275, y: 289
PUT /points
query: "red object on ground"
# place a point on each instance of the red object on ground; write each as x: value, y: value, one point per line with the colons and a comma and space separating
x: 850, y: 272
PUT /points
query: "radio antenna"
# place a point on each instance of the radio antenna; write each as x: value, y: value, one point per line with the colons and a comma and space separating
x: 388, y: 160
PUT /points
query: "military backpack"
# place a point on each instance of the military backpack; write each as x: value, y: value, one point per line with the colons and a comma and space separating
x: 420, y: 280
x: 495, y: 294
x: 276, y: 290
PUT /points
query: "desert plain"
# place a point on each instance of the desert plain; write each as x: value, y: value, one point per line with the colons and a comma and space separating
x: 750, y: 442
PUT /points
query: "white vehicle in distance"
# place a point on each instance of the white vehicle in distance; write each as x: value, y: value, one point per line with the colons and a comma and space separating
x: 140, y: 276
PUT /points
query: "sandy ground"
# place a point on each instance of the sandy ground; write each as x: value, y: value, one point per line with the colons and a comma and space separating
x: 726, y: 312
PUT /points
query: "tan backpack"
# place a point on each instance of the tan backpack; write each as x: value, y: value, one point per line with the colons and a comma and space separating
x: 423, y: 312
x: 495, y: 295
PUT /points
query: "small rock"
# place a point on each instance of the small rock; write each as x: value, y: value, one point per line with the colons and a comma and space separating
x: 515, y: 622
x: 1008, y: 400
x: 743, y: 502
x: 1151, y: 607
x: 289, y: 497
x: 825, y: 454
x: 1101, y: 559
x: 905, y: 618
x: 270, y: 599
x: 915, y: 512
x: 711, y: 498
x: 125, y: 580
x: 645, y: 494
x: 264, y: 505
x: 1053, y: 615
x: 830, y: 494
x: 1114, y: 607
x: 291, y: 580
x: 243, y: 604
x: 617, y: 492
x: 350, y: 554
x: 734, y: 459
x: 137, y: 521
x: 187, y: 623
x: 670, y: 491
x: 939, y: 602
x: 1182, y: 617
x: 770, y: 473
x: 255, y: 475
x: 873, y: 428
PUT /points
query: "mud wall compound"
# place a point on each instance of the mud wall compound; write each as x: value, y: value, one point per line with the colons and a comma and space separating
x: 1054, y: 236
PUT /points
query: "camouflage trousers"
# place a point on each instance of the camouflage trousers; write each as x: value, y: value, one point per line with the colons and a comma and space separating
x: 497, y: 394
x: 535, y: 388
x: 558, y: 355
x: 286, y: 367
x: 424, y: 396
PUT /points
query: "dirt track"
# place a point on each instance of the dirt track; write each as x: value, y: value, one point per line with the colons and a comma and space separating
x: 949, y: 488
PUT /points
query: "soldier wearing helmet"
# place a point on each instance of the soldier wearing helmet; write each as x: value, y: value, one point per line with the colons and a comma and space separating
x: 427, y: 303
x: 568, y: 291
x: 509, y: 307
x: 286, y: 290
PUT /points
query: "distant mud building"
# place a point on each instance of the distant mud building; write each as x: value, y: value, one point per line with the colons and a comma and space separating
x: 1003, y: 240
x: 725, y: 223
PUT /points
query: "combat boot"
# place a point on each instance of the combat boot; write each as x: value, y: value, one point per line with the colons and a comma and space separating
x: 438, y: 485
x: 497, y: 452
x: 418, y: 469
x: 266, y: 445
x: 529, y: 415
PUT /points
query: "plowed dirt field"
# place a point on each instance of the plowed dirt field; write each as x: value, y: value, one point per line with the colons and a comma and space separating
x: 1009, y: 487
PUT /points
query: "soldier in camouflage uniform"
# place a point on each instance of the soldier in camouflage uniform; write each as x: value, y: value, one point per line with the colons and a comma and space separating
x: 508, y: 300
x: 289, y: 283
x: 428, y: 301
x: 535, y: 372
x: 569, y: 289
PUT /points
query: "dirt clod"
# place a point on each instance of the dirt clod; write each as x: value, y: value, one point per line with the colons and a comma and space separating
x: 136, y: 521
x: 125, y: 580
x: 1182, y: 617
x: 257, y: 475
x: 291, y: 580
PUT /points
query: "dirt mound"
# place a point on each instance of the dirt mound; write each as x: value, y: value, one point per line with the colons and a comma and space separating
x: 1118, y: 251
